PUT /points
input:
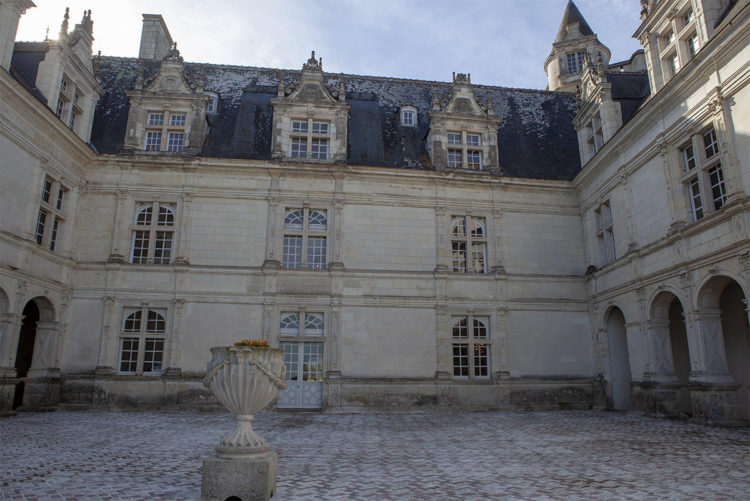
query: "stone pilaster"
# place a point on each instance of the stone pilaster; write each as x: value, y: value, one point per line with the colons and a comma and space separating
x: 335, y: 328
x: 44, y: 359
x: 174, y: 364
x: 107, y: 344
x: 659, y: 363
x: 442, y: 240
x: 120, y: 250
x: 10, y: 325
x: 708, y: 361
x: 499, y: 347
x: 184, y: 226
x: 444, y: 357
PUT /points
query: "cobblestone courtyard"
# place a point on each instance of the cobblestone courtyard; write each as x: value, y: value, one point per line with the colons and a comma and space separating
x: 545, y: 455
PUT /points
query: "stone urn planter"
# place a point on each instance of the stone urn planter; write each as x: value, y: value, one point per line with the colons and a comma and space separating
x: 244, y: 379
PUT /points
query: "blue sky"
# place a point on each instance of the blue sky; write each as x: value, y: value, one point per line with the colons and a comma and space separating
x: 500, y: 42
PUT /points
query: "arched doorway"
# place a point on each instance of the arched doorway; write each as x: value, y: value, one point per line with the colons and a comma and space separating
x: 25, y: 351
x: 725, y: 295
x: 670, y: 351
x: 619, y: 360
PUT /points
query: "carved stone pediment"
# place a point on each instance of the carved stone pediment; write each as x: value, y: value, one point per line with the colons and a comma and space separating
x: 461, y: 114
x: 309, y: 118
x: 171, y: 77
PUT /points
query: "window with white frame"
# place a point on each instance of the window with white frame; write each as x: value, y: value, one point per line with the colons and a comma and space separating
x: 310, y: 138
x: 575, y: 61
x: 305, y: 324
x: 468, y: 244
x: 305, y: 238
x: 471, y: 347
x: 142, y: 341
x: 166, y: 130
x: 465, y: 150
x: 51, y: 216
x: 409, y: 116
x: 153, y: 233
x: 703, y: 175
x: 605, y: 234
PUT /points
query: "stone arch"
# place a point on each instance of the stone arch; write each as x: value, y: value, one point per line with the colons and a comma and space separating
x: 669, y: 352
x: 36, y: 351
x: 722, y: 314
x: 619, y: 358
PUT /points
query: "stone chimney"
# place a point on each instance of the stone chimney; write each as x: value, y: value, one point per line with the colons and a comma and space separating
x: 10, y: 12
x: 155, y: 38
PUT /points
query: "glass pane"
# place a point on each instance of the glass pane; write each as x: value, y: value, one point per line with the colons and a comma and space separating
x: 289, y: 324
x: 163, y: 247
x: 166, y: 216
x: 316, y: 253
x: 129, y: 355
x: 140, y: 247
x: 477, y: 227
x: 460, y: 360
x: 155, y: 322
x: 459, y: 256
x: 317, y: 220
x: 312, y: 365
x: 481, y: 360
x: 480, y: 328
x: 133, y: 322
x: 458, y: 227
x: 460, y: 328
x: 292, y: 252
x: 143, y: 217
x: 294, y: 219
x: 153, y: 355
x: 291, y: 360
x: 313, y: 324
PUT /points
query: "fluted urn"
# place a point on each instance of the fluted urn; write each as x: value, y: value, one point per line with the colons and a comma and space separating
x: 244, y: 379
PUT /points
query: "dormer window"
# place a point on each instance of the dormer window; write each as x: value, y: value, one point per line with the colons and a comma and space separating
x: 163, y: 137
x: 409, y: 116
x: 309, y: 139
x: 687, y: 17
x: 213, y: 103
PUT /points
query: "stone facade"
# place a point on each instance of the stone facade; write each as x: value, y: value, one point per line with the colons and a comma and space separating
x: 390, y: 235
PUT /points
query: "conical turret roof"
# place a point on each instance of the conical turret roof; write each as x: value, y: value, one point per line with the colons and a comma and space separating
x: 571, y: 16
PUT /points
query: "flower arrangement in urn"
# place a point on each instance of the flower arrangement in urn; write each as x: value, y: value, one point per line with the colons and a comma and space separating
x: 245, y: 378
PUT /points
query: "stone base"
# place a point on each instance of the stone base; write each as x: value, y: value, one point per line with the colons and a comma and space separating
x: 715, y: 405
x: 246, y: 479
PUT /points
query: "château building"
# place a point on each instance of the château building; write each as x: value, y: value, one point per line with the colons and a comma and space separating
x: 409, y: 244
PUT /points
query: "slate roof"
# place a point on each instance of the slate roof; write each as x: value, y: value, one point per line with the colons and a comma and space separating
x: 536, y: 136
x: 629, y: 89
x: 25, y: 63
x: 571, y: 16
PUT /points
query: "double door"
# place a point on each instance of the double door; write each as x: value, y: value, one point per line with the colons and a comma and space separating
x: 304, y: 375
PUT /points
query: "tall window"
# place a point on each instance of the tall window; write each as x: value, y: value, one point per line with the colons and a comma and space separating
x: 464, y: 150
x: 575, y: 62
x: 703, y: 174
x: 165, y: 131
x: 153, y: 233
x: 142, y: 341
x: 471, y: 347
x: 468, y: 244
x: 604, y: 233
x: 51, y: 216
x: 305, y: 236
x: 310, y: 139
x: 68, y: 107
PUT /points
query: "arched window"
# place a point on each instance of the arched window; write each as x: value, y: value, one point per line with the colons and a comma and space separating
x: 471, y: 347
x: 469, y: 250
x: 305, y: 239
x: 142, y: 343
x: 289, y: 325
x: 153, y: 239
x: 313, y: 324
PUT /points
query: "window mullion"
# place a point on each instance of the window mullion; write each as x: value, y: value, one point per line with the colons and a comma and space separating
x: 141, y: 342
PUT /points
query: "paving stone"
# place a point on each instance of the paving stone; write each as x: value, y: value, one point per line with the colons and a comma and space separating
x: 418, y: 456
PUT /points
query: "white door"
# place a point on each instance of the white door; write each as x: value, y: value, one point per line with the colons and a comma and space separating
x: 304, y: 375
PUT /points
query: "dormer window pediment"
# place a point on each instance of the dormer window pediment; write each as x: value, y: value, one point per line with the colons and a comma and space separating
x: 166, y: 113
x: 309, y: 118
x: 463, y: 132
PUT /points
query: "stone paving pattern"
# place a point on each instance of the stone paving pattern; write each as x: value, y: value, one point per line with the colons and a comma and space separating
x: 430, y: 456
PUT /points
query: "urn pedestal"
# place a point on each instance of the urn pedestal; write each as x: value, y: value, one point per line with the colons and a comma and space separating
x: 244, y: 380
